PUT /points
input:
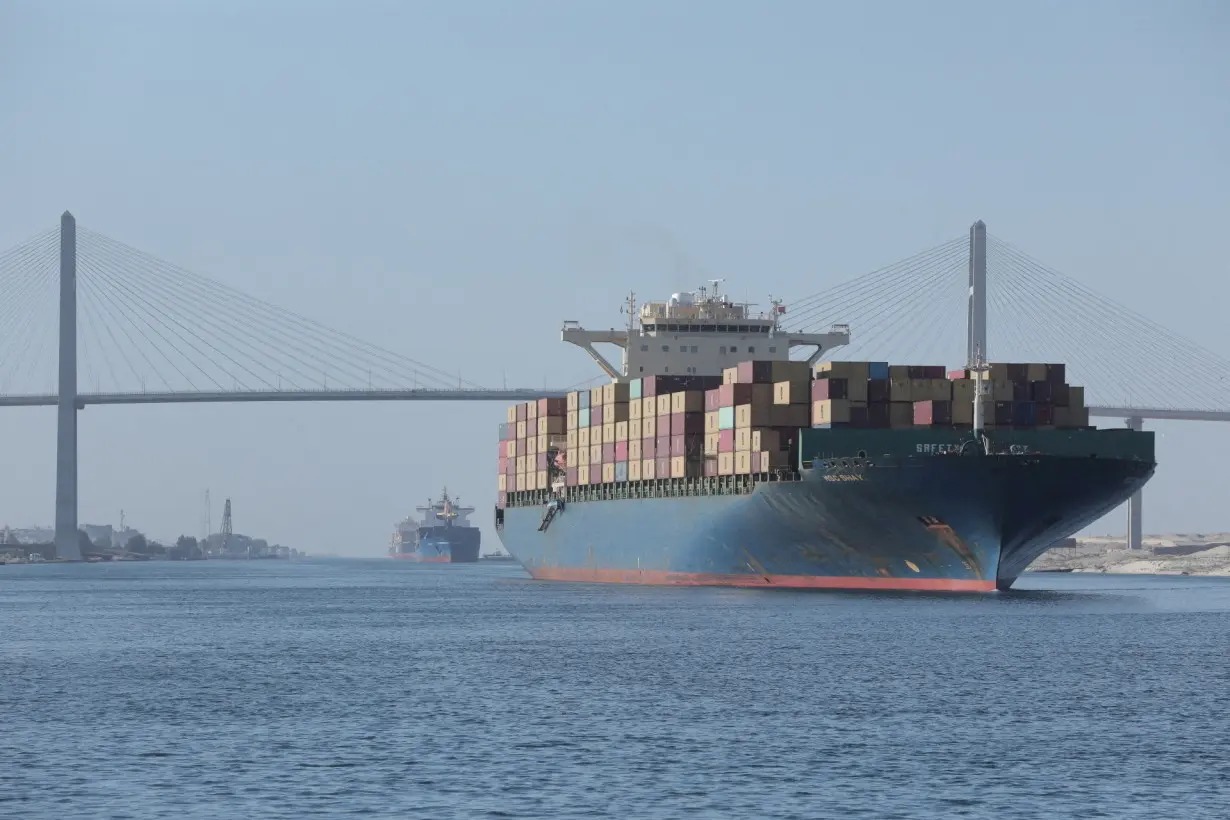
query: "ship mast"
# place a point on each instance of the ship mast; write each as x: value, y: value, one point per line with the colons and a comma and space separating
x: 979, y: 369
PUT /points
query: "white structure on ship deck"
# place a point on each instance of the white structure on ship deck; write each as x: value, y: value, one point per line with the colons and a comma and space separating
x: 697, y: 333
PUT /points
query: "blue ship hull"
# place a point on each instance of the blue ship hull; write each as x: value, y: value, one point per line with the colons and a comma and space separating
x: 921, y: 522
x: 453, y: 545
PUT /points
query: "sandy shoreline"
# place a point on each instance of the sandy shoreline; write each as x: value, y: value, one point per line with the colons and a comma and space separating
x: 1178, y: 554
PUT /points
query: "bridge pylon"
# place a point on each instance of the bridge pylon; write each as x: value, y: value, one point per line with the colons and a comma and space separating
x: 67, y: 543
x: 1135, y: 505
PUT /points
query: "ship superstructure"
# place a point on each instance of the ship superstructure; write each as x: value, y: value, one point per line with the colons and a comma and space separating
x: 712, y: 458
x: 442, y: 533
x: 697, y: 333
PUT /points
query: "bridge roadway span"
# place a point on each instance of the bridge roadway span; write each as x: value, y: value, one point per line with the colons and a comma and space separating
x: 188, y: 397
x: 511, y: 395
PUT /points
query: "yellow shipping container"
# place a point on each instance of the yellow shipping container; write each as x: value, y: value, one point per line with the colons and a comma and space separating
x: 765, y: 439
x: 834, y: 411
x: 713, y: 421
x: 634, y: 430
x: 510, y: 449
x: 730, y: 376
x: 743, y: 439
x: 573, y: 418
x: 595, y: 454
x: 531, y: 446
x: 531, y: 410
x: 649, y: 407
x: 792, y: 392
x: 544, y: 443
x: 583, y: 474
x: 571, y: 440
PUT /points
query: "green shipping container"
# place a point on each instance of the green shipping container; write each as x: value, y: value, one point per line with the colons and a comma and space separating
x: 726, y: 418
x: 634, y: 389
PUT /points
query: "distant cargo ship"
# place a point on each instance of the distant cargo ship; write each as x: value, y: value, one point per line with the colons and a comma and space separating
x: 443, y: 535
x: 772, y: 473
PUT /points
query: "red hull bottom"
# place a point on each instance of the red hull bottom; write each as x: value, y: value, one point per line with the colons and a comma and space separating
x: 701, y: 579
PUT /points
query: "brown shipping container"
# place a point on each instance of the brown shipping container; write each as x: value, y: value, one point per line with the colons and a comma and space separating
x: 771, y: 459
x: 899, y: 372
x: 713, y: 421
x: 585, y: 437
x: 753, y: 415
x: 1076, y: 398
x: 793, y: 416
x: 963, y: 391
x: 1001, y: 413
x: 649, y: 427
x: 1071, y: 417
x: 931, y: 390
x: 788, y: 371
x: 511, y: 415
x: 1042, y: 391
x: 795, y: 392
x: 711, y: 443
x: 900, y: 414
x: 662, y: 444
x: 521, y: 413
x: 743, y: 463
x: 689, y: 445
x: 688, y: 401
x: 552, y: 407
x: 574, y: 400
x: 685, y: 467
x: 634, y: 469
x: 649, y: 448
x: 687, y: 423
x: 756, y: 462
x: 830, y: 411
x: 733, y: 394
x: 634, y: 410
x: 648, y: 471
x: 766, y: 440
x: 572, y: 476
x: 621, y: 431
x: 608, y: 432
x: 615, y: 393
x: 615, y: 413
x: 1056, y: 374
x: 726, y: 464
x: 608, y: 453
x: 933, y: 413
x: 900, y: 390
x: 540, y: 461
x: 635, y: 429
x: 852, y: 371
x: 755, y: 372
x: 1061, y: 395
x: 634, y: 450
x: 822, y: 389
x: 878, y: 415
x: 521, y: 447
x: 662, y: 466
x: 1044, y: 414
x: 550, y: 425
x: 1035, y: 372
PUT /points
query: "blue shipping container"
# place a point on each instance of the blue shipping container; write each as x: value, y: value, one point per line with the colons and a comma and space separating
x: 583, y: 403
x: 583, y: 415
x: 634, y: 389
x: 877, y: 370
x: 621, y: 471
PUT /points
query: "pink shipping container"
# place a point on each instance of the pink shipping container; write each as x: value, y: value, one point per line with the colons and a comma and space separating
x: 501, y: 500
x: 726, y: 441
x: 621, y: 451
x: 570, y: 477
x: 662, y: 466
x: 731, y: 394
x: 663, y: 443
x: 595, y: 416
x: 823, y: 389
x: 608, y: 453
x: 649, y: 448
x: 713, y: 400
x: 756, y: 462
x: 540, y: 461
x: 552, y: 407
x: 690, y: 423
x: 687, y: 444
x: 711, y: 468
x: 503, y: 464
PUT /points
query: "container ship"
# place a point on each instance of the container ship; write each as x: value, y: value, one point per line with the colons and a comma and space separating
x: 712, y: 458
x: 443, y: 534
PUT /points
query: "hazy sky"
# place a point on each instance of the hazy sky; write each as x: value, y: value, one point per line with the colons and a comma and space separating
x: 451, y: 180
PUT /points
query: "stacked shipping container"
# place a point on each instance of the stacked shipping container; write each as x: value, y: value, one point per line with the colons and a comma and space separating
x: 875, y: 394
x: 746, y: 421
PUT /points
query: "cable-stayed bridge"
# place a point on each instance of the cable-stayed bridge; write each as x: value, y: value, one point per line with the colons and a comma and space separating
x: 135, y: 329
